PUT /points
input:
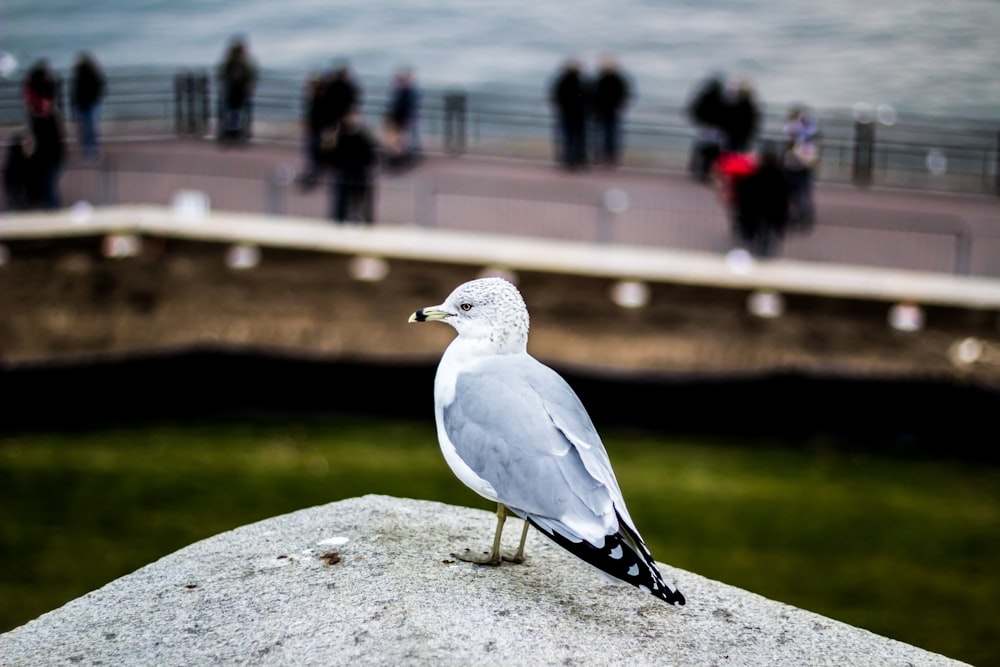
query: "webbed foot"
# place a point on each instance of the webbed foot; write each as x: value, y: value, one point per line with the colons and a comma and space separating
x: 485, y: 558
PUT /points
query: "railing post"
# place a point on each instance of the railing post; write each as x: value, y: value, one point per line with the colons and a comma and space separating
x: 179, y: 103
x: 192, y: 104
x: 454, y: 123
x: 614, y: 202
x: 277, y: 188
x: 62, y: 97
x: 963, y: 253
x: 184, y: 105
x: 864, y: 150
x: 424, y: 204
x: 368, y: 211
x: 996, y: 168
x: 201, y: 86
x: 109, y: 182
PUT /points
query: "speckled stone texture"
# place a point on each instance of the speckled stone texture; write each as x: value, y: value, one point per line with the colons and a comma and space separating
x: 371, y: 581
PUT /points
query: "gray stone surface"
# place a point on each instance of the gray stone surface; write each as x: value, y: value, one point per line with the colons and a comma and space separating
x: 370, y: 580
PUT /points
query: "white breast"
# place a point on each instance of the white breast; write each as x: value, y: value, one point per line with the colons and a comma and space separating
x: 458, y: 355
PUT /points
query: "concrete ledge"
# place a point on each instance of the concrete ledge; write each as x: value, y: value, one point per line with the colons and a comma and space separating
x: 369, y: 581
x: 514, y: 252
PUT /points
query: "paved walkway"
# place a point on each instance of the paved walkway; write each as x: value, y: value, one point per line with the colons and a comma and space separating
x: 878, y: 244
x: 911, y: 230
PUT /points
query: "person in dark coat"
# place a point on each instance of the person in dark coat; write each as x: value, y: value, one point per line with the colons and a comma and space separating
x: 22, y: 182
x: 569, y: 98
x: 341, y: 95
x: 330, y: 97
x: 237, y: 76
x: 353, y: 161
x: 45, y: 121
x: 313, y: 123
x: 48, y: 158
x: 401, y: 133
x: 88, y: 89
x: 611, y: 95
x: 707, y: 112
x: 761, y: 206
x: 802, y: 154
x: 39, y: 89
x: 742, y: 119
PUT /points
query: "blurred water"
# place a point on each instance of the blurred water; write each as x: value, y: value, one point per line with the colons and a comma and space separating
x: 922, y: 56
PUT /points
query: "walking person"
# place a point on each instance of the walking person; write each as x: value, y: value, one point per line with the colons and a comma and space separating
x: 706, y: 111
x: 313, y: 125
x: 88, y: 90
x: 329, y: 98
x: 21, y: 180
x: 611, y: 96
x: 762, y: 205
x: 569, y: 99
x: 802, y: 152
x: 46, y: 128
x: 38, y: 92
x: 237, y: 77
x: 353, y: 160
x: 742, y: 119
x: 402, y: 140
x: 341, y: 95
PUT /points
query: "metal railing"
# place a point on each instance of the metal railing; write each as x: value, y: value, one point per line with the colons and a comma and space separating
x: 931, y: 153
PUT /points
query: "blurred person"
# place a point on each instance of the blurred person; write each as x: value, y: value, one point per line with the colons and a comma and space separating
x: 88, y: 89
x: 333, y: 95
x: 730, y: 169
x: 569, y: 98
x: 706, y: 111
x: 21, y: 181
x: 39, y: 90
x: 45, y: 121
x: 341, y: 94
x: 313, y: 122
x: 353, y: 160
x: 237, y: 77
x: 49, y: 157
x: 761, y: 206
x: 802, y: 153
x: 402, y: 141
x: 742, y: 119
x: 611, y: 96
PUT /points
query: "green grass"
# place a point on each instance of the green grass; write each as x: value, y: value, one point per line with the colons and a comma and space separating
x: 905, y: 548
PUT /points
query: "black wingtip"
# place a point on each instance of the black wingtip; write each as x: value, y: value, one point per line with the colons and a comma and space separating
x: 674, y: 597
x: 619, y: 559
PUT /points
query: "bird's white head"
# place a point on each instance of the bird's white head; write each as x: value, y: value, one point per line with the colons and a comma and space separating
x: 489, y: 310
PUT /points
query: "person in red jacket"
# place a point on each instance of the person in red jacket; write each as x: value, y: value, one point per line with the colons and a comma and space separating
x: 45, y: 123
x: 730, y: 168
x: 759, y: 203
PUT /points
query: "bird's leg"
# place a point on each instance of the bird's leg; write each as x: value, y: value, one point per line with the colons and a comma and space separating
x: 493, y: 557
x: 519, y: 556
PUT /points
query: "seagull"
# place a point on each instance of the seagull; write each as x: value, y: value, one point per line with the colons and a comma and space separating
x: 516, y: 433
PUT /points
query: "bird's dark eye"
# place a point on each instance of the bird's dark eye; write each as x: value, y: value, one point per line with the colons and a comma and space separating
x: 466, y: 306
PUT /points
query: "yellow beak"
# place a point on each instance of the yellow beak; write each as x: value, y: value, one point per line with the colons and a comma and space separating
x: 429, y: 314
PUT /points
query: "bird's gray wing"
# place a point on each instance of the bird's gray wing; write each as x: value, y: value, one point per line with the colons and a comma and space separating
x: 520, y: 427
x: 571, y: 418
